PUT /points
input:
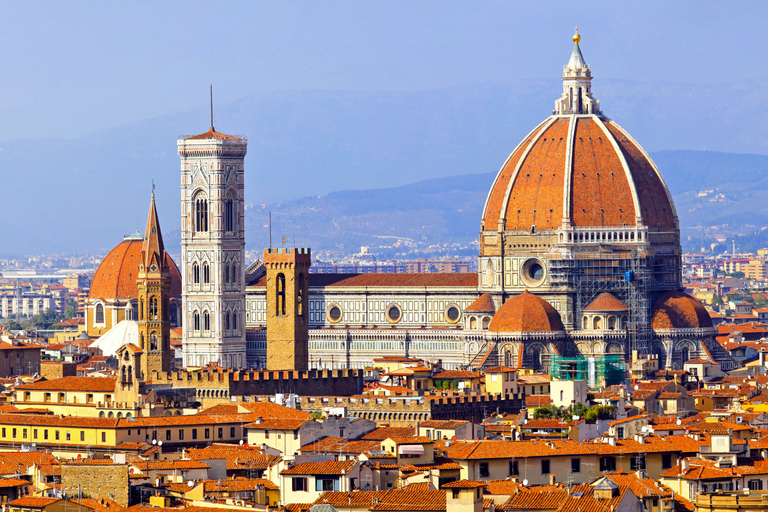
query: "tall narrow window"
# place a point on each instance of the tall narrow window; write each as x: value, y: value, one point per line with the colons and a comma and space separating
x: 196, y: 320
x: 229, y: 215
x: 234, y: 272
x: 280, y: 288
x: 226, y: 321
x: 99, y: 313
x: 206, y: 273
x: 234, y: 321
x: 201, y: 214
x: 153, y: 341
x: 300, y: 296
x: 196, y: 273
x: 226, y: 272
x: 153, y: 308
x: 206, y: 321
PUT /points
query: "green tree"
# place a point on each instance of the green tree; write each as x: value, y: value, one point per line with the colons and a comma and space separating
x: 45, y: 319
x: 12, y: 325
x: 71, y: 310
x: 716, y: 301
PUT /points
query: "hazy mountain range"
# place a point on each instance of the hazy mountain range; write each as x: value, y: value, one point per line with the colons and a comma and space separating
x: 83, y: 194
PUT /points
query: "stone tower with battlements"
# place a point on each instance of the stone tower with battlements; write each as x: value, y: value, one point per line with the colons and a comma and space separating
x: 154, y: 285
x: 287, y: 305
x: 212, y: 248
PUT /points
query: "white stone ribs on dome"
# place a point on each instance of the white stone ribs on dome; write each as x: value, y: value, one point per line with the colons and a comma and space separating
x: 513, y: 178
x: 625, y: 166
x: 566, y: 222
x: 501, y: 171
x: 655, y: 169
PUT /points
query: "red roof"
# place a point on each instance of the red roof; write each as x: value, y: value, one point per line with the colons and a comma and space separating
x: 118, y: 271
x: 606, y: 302
x: 600, y: 192
x: 483, y: 304
x: 677, y: 310
x: 526, y: 313
x: 212, y: 134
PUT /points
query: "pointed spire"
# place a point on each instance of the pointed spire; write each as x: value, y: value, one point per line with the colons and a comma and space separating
x: 153, y: 250
x: 577, y: 59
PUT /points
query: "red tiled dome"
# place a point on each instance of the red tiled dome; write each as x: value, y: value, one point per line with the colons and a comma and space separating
x: 606, y: 302
x: 483, y: 304
x: 678, y: 310
x: 117, y: 273
x: 609, y: 180
x: 526, y: 313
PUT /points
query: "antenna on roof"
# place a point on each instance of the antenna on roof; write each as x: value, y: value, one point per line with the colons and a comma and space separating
x: 212, y: 108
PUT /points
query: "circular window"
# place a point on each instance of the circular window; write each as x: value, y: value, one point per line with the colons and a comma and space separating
x: 452, y: 314
x: 394, y: 313
x: 533, y: 272
x: 334, y: 313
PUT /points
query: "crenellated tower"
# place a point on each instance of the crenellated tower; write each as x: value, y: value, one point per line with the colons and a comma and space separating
x: 287, y: 305
x: 212, y: 248
x: 154, y: 286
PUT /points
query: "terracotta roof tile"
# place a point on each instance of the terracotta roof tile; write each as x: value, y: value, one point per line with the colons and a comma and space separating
x: 72, y: 384
x: 677, y: 310
x: 321, y: 468
x: 118, y: 271
x: 383, y: 433
x: 483, y: 304
x: 606, y: 302
x: 526, y: 312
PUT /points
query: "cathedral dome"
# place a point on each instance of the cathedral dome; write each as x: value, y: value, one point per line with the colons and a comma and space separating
x: 526, y: 313
x: 117, y: 273
x: 578, y: 169
x: 678, y: 310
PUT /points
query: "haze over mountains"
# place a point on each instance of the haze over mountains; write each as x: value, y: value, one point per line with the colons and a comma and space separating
x: 84, y: 194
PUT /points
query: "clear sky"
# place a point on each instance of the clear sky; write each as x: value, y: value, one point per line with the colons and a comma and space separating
x: 72, y: 68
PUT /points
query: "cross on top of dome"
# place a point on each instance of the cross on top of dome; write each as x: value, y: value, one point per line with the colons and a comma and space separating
x: 577, y: 96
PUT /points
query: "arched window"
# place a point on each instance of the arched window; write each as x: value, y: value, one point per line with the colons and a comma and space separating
x: 173, y: 313
x: 300, y: 296
x: 280, y: 289
x: 234, y: 321
x: 99, y: 313
x: 153, y: 341
x: 226, y: 272
x: 195, y: 273
x: 206, y: 321
x: 486, y: 322
x: 201, y: 214
x: 234, y: 272
x: 196, y: 320
x: 226, y: 321
x: 473, y: 323
x: 229, y: 214
x: 153, y: 308
x: 206, y: 273
x: 597, y: 323
x: 612, y: 322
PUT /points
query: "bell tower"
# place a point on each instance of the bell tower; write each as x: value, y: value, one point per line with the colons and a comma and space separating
x: 154, y: 286
x: 287, y: 317
x: 213, y: 248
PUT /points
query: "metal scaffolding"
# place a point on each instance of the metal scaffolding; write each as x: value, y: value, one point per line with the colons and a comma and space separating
x: 599, y: 371
x: 625, y: 274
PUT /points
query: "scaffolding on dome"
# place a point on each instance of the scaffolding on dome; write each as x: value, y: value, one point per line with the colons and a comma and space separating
x: 625, y: 274
x: 599, y: 371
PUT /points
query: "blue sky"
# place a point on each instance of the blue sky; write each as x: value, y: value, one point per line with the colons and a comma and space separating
x: 73, y: 68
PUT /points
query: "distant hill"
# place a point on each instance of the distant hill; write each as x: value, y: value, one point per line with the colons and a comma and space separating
x: 447, y: 210
x: 83, y: 194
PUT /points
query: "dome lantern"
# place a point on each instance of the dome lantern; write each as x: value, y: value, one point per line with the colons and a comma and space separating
x: 577, y: 90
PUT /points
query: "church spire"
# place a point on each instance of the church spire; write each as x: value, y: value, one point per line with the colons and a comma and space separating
x: 153, y: 250
x: 577, y: 90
